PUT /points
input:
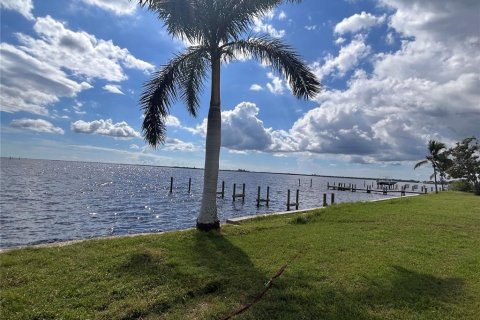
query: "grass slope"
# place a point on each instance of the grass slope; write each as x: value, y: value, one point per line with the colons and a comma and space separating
x: 409, y: 258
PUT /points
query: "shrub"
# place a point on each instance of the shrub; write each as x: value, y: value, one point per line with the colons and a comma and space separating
x: 461, y: 185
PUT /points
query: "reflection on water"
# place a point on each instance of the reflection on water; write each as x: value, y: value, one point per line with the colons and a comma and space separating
x: 47, y: 201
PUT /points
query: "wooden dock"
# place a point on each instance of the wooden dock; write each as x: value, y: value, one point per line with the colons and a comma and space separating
x: 368, y: 189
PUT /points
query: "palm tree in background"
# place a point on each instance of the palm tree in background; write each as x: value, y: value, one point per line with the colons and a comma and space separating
x: 443, y: 164
x: 434, y: 157
x: 214, y: 28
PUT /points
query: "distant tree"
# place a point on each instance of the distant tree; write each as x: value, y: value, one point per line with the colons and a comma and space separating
x: 465, y: 157
x: 215, y: 29
x: 433, y: 157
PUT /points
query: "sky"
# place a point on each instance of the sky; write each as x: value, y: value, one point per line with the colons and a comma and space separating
x: 395, y: 74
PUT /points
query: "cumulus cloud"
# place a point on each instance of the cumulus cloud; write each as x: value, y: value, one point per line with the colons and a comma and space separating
x: 37, y: 125
x: 358, y: 22
x: 242, y: 130
x: 30, y: 84
x: 79, y: 51
x: 105, y: 127
x: 24, y: 7
x: 426, y: 89
x: 348, y: 57
x: 113, y: 88
x: 34, y: 73
x: 118, y: 7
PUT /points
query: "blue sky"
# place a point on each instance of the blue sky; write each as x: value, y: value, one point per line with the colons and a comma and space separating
x: 396, y: 73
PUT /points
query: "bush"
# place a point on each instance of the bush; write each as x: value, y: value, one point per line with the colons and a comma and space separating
x: 461, y: 185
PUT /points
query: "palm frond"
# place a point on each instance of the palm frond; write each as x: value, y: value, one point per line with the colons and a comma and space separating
x: 162, y: 90
x: 179, y: 16
x: 282, y: 58
x: 191, y: 82
x: 236, y: 16
x: 421, y: 163
x: 434, y: 147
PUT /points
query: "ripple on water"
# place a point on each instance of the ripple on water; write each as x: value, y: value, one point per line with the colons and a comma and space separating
x: 48, y: 201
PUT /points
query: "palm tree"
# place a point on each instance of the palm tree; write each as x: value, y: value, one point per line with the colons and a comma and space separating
x: 434, y: 157
x: 214, y: 28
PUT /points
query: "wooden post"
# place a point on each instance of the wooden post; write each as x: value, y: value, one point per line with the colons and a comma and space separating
x: 171, y: 184
x: 328, y: 185
x: 299, y: 182
x: 324, y: 199
x: 189, y: 184
x: 243, y: 192
x: 234, y: 189
x: 296, y: 200
x: 223, y: 189
x: 332, y: 199
x: 268, y: 196
x: 311, y: 182
x: 288, y: 200
x: 258, y: 197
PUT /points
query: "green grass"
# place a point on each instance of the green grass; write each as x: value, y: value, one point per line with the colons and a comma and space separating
x: 409, y: 258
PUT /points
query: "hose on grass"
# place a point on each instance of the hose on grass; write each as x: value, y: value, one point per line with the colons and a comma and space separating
x: 260, y: 295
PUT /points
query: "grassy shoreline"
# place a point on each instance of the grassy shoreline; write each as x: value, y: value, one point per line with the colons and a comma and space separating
x: 408, y: 258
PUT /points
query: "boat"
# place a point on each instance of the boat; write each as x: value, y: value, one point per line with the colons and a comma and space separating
x: 386, y: 182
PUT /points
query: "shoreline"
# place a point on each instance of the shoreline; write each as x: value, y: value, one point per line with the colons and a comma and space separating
x: 232, y: 221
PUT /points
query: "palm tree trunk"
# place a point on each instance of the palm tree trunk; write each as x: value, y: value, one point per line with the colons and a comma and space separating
x: 435, y: 175
x: 208, y: 217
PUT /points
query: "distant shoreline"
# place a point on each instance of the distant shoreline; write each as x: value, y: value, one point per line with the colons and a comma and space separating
x: 226, y: 170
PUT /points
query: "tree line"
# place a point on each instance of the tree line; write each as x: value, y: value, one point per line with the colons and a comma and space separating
x: 460, y: 164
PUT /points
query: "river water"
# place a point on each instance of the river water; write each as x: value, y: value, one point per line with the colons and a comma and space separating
x: 45, y: 201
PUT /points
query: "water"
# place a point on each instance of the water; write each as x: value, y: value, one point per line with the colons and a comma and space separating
x: 48, y: 201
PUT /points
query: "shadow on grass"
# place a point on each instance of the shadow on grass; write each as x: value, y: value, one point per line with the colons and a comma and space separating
x: 207, y: 268
x: 403, y: 291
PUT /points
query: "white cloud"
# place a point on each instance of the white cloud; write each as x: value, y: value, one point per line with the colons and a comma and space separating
x: 134, y: 146
x: 105, y: 127
x: 256, y: 87
x: 34, y: 74
x: 30, y: 84
x: 242, y: 130
x: 24, y: 7
x: 311, y: 27
x: 79, y: 51
x: 358, y: 22
x: 113, y: 88
x: 426, y: 89
x: 276, y: 86
x: 119, y: 7
x: 262, y: 25
x: 37, y: 125
x: 390, y: 38
x: 348, y: 57
x: 172, y: 121
x: 282, y: 15
x: 174, y: 144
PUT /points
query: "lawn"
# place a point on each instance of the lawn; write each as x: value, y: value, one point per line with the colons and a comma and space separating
x: 408, y: 258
